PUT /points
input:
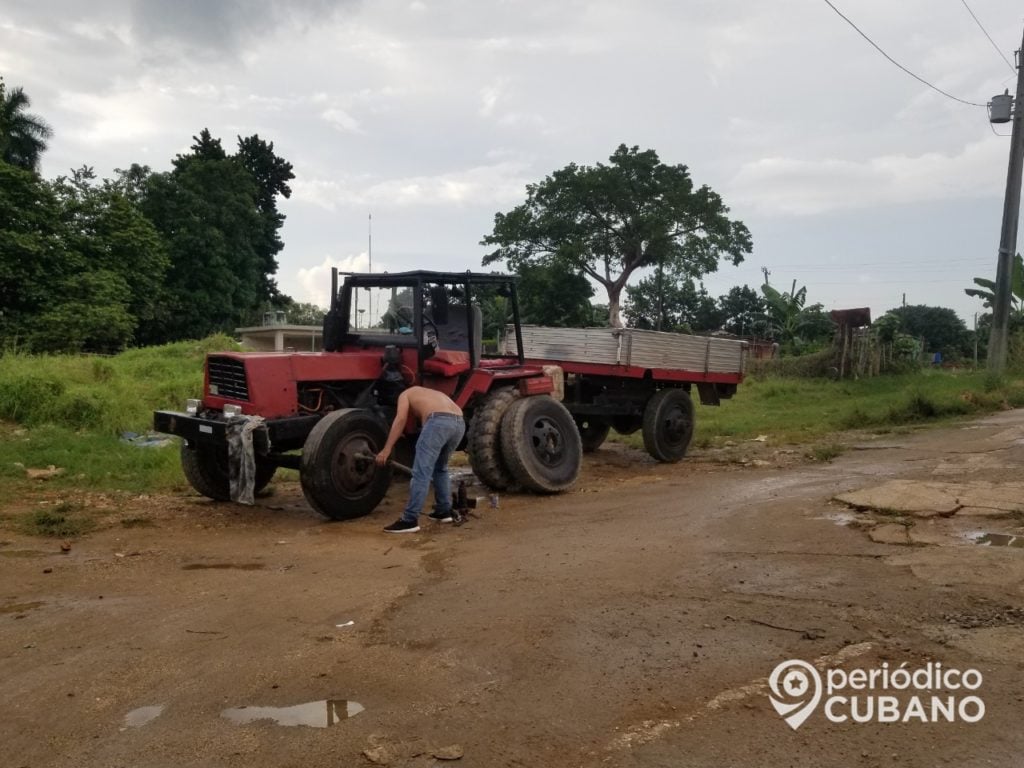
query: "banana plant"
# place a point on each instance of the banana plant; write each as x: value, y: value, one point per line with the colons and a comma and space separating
x: 986, y: 290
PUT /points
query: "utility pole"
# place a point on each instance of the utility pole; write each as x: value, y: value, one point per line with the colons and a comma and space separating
x: 997, y: 341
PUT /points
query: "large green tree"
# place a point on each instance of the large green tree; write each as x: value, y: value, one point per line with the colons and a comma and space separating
x: 608, y: 221
x: 32, y: 257
x: 23, y: 136
x: 743, y: 311
x: 109, y: 234
x: 217, y: 215
x: 671, y: 302
x: 552, y: 295
x: 940, y: 327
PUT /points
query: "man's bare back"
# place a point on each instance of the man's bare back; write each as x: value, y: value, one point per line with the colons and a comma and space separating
x: 423, y: 402
x: 419, y: 402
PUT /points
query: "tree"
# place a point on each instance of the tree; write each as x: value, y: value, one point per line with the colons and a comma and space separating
x: 986, y: 290
x: 23, y: 136
x: 552, y: 295
x: 941, y: 328
x: 674, y: 303
x: 272, y: 175
x: 608, y: 221
x: 793, y: 324
x: 32, y: 258
x: 220, y: 223
x: 93, y: 315
x: 743, y: 311
x: 109, y: 234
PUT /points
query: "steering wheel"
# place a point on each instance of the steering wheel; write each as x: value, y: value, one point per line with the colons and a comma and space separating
x: 405, y: 313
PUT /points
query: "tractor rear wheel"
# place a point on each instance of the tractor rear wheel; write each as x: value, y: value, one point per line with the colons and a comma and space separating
x: 339, y: 476
x: 206, y: 469
x: 483, y: 442
x: 540, y: 444
x: 668, y: 424
x: 593, y: 432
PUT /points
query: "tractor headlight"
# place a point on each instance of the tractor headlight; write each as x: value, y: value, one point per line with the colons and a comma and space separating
x: 231, y: 411
x: 192, y: 406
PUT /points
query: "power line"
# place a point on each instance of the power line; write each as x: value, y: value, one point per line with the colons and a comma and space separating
x: 985, y: 31
x: 891, y: 59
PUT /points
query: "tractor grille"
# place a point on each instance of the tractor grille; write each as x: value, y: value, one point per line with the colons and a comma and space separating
x: 227, y: 378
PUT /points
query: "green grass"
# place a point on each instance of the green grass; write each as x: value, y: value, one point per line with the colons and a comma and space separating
x: 70, y: 411
x: 803, y: 411
x: 63, y: 521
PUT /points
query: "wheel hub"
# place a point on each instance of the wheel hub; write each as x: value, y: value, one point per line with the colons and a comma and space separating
x: 350, y: 470
x: 547, y: 441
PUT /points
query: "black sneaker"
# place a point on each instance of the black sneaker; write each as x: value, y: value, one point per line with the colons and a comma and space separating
x: 400, y: 526
x: 441, y: 517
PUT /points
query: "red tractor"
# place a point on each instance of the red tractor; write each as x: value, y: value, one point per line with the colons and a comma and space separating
x: 326, y: 413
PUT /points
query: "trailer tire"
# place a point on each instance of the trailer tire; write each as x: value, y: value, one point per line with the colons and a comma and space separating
x: 541, y: 444
x: 335, y: 482
x: 206, y: 469
x: 593, y: 432
x: 668, y: 424
x: 483, y: 441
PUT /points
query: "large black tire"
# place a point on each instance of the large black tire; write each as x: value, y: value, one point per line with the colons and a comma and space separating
x: 206, y: 469
x: 483, y: 441
x: 593, y: 432
x: 540, y: 444
x: 668, y: 424
x: 335, y: 480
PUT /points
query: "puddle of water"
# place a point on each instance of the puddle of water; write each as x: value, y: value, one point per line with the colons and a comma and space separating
x: 20, y: 607
x: 143, y: 715
x: 999, y: 540
x: 224, y: 566
x: 315, y: 714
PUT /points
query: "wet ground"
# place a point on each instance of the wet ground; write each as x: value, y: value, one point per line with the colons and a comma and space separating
x: 632, y: 622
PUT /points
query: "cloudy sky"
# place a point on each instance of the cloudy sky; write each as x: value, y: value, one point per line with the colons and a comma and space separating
x: 854, y: 179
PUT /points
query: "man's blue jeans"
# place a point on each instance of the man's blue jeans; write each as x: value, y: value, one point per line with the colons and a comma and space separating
x: 440, y: 435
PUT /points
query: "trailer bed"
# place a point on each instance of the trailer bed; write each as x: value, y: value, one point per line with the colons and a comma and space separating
x: 634, y: 353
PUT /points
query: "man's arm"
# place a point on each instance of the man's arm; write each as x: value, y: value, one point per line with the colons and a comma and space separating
x: 397, y: 428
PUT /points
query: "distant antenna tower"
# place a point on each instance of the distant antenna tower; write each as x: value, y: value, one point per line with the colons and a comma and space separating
x: 766, y: 273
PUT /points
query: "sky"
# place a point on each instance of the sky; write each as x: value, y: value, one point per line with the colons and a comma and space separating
x: 854, y: 179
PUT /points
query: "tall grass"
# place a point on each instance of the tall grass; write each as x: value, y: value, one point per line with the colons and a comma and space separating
x: 107, y: 395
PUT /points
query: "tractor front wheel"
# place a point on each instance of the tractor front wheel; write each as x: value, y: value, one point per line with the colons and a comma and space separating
x: 540, y: 444
x: 339, y: 476
x: 206, y: 469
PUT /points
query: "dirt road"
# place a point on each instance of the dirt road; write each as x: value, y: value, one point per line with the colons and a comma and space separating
x: 630, y: 623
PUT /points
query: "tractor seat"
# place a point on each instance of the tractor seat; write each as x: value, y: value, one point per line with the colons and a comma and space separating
x: 447, y: 362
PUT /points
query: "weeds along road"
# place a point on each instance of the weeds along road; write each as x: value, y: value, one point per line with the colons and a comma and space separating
x: 630, y: 623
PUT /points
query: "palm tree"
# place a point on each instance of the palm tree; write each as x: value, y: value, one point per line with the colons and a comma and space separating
x: 22, y: 136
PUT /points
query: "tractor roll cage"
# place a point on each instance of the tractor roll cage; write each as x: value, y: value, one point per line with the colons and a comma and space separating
x: 341, y: 303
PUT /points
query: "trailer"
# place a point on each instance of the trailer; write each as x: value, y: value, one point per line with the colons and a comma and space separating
x: 629, y: 379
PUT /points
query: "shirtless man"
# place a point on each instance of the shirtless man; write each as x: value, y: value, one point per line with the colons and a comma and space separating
x: 441, y: 433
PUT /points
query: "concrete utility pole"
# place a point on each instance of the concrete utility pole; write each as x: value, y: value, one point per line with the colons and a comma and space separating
x: 997, y: 340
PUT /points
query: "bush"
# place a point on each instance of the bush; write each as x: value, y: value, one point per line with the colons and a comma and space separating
x: 817, y: 365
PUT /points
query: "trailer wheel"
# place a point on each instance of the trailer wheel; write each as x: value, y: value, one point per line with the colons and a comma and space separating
x: 541, y: 444
x: 336, y: 481
x: 483, y: 443
x: 206, y: 469
x: 668, y: 424
x: 593, y: 432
